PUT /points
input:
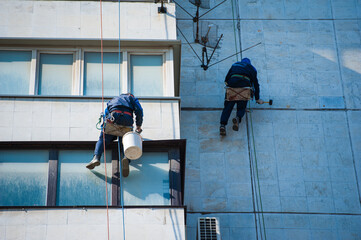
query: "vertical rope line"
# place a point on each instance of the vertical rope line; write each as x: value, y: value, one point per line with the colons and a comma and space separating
x: 234, y: 31
x: 252, y: 174
x: 121, y: 189
x: 121, y: 170
x: 119, y: 46
x: 102, y: 77
x: 252, y: 170
x: 256, y: 165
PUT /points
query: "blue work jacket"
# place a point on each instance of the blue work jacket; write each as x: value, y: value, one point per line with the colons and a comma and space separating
x: 126, y: 102
x: 242, y: 69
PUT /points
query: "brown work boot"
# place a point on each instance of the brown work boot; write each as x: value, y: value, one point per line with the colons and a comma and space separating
x: 125, y: 167
x: 235, y: 124
x: 222, y: 130
x: 94, y: 162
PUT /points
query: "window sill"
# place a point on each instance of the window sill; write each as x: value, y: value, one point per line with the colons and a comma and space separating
x: 83, y: 97
x: 24, y: 208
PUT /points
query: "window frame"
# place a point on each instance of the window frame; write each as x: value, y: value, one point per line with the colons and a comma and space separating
x: 176, y: 158
x: 78, y: 67
x: 148, y: 53
x: 75, y: 69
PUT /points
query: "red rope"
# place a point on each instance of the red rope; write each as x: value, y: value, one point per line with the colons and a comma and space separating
x: 105, y: 159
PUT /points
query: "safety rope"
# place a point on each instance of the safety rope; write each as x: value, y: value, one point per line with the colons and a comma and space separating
x: 254, y: 167
x: 234, y: 30
x: 121, y: 189
x: 119, y: 156
x: 102, y: 77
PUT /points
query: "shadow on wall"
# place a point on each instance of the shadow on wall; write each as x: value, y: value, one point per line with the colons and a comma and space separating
x: 175, y: 224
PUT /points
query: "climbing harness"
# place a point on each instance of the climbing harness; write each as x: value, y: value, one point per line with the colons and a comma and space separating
x: 99, y: 124
x: 107, y: 124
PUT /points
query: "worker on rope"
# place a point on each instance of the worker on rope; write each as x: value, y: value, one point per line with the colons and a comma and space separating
x: 119, y: 111
x: 241, y: 75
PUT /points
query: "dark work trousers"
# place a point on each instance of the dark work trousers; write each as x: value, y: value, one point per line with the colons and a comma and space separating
x: 120, y: 119
x: 227, y: 110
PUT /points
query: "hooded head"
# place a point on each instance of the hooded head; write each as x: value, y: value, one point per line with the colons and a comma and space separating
x: 129, y: 94
x: 246, y: 60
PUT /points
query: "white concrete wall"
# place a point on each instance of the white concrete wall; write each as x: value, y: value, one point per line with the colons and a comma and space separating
x: 61, y: 224
x: 81, y: 19
x: 35, y: 119
x: 307, y: 143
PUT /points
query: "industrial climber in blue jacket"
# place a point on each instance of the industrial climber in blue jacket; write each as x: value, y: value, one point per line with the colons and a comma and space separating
x: 121, y: 108
x: 241, y: 74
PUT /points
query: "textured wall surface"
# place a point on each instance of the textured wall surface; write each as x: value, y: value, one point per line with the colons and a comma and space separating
x: 74, y: 120
x: 92, y: 224
x: 306, y: 176
x: 81, y: 19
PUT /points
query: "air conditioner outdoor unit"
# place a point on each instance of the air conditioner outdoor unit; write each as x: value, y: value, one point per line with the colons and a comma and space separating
x: 208, y: 228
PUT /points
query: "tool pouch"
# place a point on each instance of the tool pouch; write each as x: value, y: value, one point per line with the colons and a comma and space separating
x: 239, y: 94
x: 115, y: 129
x: 111, y: 128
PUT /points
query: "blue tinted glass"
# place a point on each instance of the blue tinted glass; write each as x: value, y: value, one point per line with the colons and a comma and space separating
x: 23, y: 178
x: 55, y: 74
x: 146, y: 75
x: 78, y: 185
x: 148, y: 180
x: 93, y: 74
x: 15, y: 72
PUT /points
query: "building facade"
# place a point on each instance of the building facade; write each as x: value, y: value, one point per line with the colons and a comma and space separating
x: 292, y: 171
x: 61, y: 61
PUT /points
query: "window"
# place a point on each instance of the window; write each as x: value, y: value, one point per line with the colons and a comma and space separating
x: 76, y: 180
x: 15, y: 72
x: 78, y: 72
x: 54, y: 174
x: 23, y: 177
x: 148, y: 181
x: 92, y: 74
x: 55, y: 74
x: 146, y: 75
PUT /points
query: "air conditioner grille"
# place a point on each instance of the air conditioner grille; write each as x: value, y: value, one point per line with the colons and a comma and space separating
x: 208, y: 229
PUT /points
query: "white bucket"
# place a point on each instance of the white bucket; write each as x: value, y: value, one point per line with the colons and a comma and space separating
x: 132, y: 143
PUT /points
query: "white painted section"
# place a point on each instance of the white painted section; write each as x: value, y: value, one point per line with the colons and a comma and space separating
x: 81, y: 19
x: 56, y: 224
x: 35, y: 119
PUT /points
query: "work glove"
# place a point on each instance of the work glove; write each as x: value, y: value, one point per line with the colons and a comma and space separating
x: 139, y: 129
x: 259, y: 101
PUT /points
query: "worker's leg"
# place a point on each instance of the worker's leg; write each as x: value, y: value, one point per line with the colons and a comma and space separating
x: 125, y: 120
x: 99, y: 146
x: 99, y: 149
x: 241, y: 109
x: 227, y: 110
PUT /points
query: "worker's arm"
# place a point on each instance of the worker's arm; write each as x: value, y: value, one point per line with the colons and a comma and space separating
x: 138, y: 110
x: 256, y: 89
x: 256, y: 92
x: 228, y: 76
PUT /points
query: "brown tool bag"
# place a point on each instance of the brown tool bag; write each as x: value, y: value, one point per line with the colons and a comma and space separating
x: 111, y: 128
x: 239, y: 94
x: 115, y: 129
